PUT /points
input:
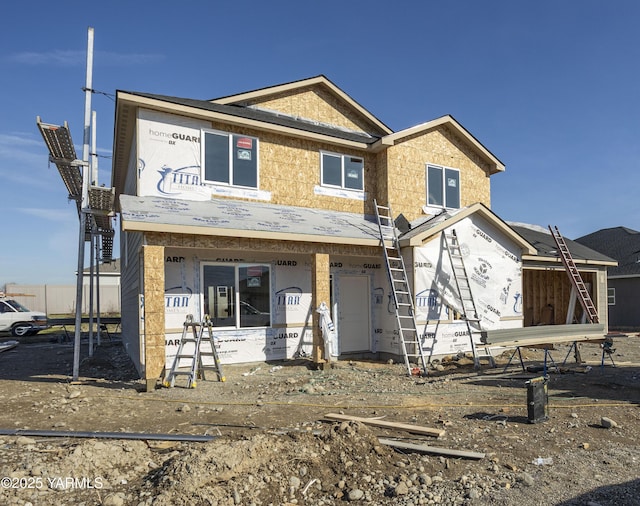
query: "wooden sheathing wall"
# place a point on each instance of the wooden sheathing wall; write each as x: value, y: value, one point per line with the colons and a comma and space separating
x: 320, y: 257
x: 318, y: 104
x: 543, y: 287
x: 290, y: 170
x: 406, y: 170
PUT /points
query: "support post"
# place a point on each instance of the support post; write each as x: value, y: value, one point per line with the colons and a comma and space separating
x: 154, y: 321
x: 321, y: 292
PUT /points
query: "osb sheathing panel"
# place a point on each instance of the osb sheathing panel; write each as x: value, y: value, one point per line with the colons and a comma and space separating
x: 406, y: 170
x: 290, y: 170
x: 320, y: 276
x: 154, y: 325
x: 264, y: 245
x: 550, y: 287
x: 317, y: 104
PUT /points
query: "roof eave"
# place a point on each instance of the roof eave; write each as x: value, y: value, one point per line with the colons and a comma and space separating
x: 478, y: 208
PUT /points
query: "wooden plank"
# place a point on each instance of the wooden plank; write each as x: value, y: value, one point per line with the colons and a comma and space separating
x: 541, y: 334
x: 432, y: 449
x: 416, y: 429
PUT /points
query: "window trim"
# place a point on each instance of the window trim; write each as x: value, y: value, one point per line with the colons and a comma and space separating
x: 343, y: 176
x: 230, y: 136
x: 443, y: 170
x: 236, y: 302
x: 611, y: 296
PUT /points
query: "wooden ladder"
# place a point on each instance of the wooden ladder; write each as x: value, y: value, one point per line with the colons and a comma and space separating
x: 574, y: 275
x: 402, y: 298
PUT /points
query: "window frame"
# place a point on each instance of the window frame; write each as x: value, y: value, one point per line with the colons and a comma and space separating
x: 237, y: 303
x: 611, y: 296
x: 231, y: 172
x: 343, y: 175
x: 443, y: 189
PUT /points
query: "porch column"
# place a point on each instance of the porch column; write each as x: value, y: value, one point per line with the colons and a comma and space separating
x: 320, y: 292
x: 154, y: 326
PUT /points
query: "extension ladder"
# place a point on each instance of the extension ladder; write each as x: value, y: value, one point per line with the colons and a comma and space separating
x: 402, y: 298
x: 197, y: 368
x: 575, y: 277
x: 469, y: 312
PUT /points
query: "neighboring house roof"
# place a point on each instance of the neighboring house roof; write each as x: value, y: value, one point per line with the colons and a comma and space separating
x: 619, y: 243
x: 546, y: 247
x: 229, y: 218
x: 424, y: 228
x: 108, y: 268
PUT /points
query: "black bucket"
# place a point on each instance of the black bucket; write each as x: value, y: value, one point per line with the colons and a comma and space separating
x: 537, y: 400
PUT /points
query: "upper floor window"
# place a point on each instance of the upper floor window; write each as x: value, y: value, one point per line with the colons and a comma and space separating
x: 230, y: 159
x: 611, y: 296
x: 443, y: 187
x: 342, y: 171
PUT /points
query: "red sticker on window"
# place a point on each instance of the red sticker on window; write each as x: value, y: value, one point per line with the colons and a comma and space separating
x: 244, y: 142
x: 254, y: 271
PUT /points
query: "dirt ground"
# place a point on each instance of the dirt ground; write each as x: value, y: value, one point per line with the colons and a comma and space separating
x: 271, y: 443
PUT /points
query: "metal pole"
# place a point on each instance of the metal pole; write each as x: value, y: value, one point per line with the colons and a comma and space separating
x: 98, y: 257
x: 91, y: 280
x: 85, y: 205
x: 97, y: 238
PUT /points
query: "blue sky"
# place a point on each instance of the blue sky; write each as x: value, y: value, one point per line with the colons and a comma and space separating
x: 549, y: 86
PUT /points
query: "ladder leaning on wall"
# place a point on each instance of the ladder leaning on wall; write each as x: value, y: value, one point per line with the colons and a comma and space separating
x: 574, y: 275
x: 402, y: 298
x: 469, y: 311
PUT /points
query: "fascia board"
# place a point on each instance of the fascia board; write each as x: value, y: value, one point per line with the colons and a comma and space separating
x: 550, y: 260
x: 193, y: 112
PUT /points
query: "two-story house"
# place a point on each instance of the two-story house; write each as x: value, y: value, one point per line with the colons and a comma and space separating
x: 256, y: 208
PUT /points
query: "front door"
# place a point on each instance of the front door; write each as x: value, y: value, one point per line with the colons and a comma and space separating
x: 354, y: 314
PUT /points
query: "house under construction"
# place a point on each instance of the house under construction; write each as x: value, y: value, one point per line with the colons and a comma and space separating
x: 256, y: 208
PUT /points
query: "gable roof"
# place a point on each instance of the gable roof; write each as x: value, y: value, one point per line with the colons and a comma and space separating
x: 233, y: 110
x: 619, y: 243
x: 546, y: 248
x: 321, y: 81
x: 425, y: 228
x: 392, y: 139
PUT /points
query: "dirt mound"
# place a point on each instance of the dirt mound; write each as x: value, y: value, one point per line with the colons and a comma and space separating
x: 272, y: 444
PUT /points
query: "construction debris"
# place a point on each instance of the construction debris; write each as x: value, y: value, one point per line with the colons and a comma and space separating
x: 376, y: 422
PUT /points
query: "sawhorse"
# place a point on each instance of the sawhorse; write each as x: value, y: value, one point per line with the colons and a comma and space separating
x: 607, y: 350
x: 547, y: 357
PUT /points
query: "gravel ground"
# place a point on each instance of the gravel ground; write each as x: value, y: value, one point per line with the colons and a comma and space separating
x: 272, y: 443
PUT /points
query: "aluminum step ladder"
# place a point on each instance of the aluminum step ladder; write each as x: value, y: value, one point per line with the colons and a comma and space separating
x: 197, y: 369
x: 402, y: 298
x: 469, y: 311
x: 574, y: 275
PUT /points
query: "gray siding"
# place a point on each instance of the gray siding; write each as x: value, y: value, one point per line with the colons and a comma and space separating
x: 131, y: 290
x: 625, y: 314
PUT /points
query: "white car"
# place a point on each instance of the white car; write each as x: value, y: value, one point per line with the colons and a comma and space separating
x: 19, y: 320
